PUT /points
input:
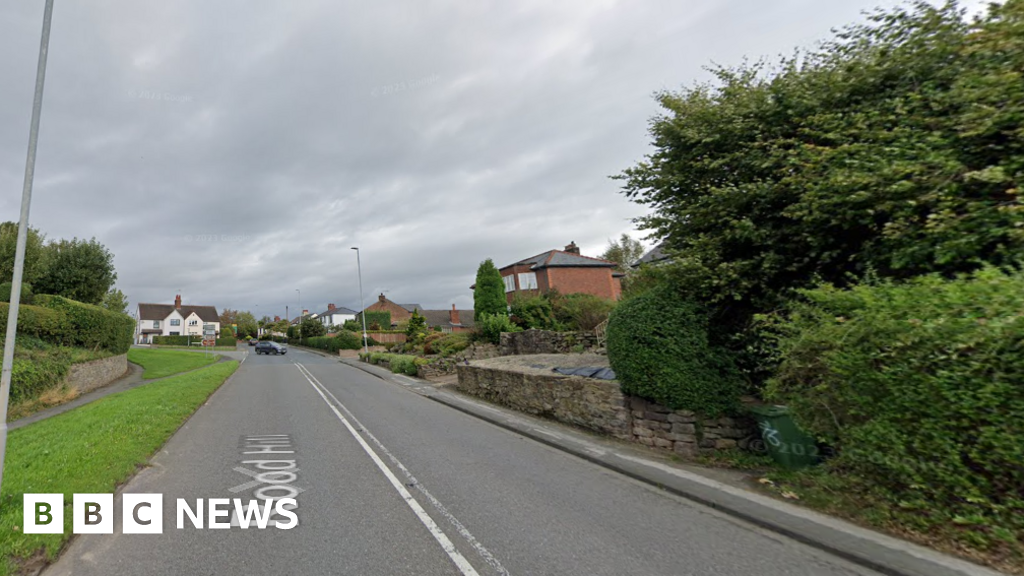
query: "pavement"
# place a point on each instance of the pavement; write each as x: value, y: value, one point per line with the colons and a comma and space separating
x: 394, y: 476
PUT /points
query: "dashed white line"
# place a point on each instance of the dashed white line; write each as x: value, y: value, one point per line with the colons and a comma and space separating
x: 446, y: 544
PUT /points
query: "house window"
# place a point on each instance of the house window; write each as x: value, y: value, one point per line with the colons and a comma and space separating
x: 156, y: 324
x: 528, y: 281
x: 510, y: 283
x: 193, y: 322
x: 175, y: 322
x: 175, y: 333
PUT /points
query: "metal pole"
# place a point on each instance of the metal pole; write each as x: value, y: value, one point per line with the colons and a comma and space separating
x: 19, y: 251
x: 362, y: 312
x: 299, y: 329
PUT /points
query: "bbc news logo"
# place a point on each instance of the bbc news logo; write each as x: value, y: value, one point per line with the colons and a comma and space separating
x: 143, y: 513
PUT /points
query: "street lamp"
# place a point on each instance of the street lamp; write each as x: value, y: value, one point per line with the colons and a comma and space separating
x: 362, y: 313
x: 299, y: 325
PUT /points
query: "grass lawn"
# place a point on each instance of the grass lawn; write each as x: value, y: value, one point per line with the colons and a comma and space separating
x: 160, y: 363
x: 195, y: 348
x: 92, y: 449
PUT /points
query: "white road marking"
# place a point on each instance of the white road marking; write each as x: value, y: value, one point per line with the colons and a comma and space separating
x: 460, y: 561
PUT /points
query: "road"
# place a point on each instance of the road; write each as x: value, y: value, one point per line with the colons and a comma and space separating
x: 391, y: 483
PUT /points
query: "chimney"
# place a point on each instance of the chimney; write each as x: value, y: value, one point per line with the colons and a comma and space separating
x: 381, y: 298
x: 453, y: 316
x: 572, y: 248
x: 277, y: 318
x: 331, y: 307
x: 305, y: 312
x: 177, y: 301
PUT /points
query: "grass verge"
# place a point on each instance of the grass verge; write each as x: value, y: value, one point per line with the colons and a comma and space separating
x: 161, y: 363
x: 193, y: 348
x: 92, y: 449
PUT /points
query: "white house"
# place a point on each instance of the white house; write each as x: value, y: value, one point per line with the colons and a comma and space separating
x: 174, y: 320
x: 335, y: 316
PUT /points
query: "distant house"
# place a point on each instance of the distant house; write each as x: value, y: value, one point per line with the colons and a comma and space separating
x: 174, y: 320
x: 566, y: 271
x: 399, y: 312
x: 654, y: 256
x: 298, y: 319
x: 335, y: 316
x: 449, y: 320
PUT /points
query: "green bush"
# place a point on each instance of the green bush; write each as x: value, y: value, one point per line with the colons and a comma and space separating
x: 34, y: 321
x: 353, y: 326
x: 580, y: 311
x: 176, y: 340
x: 658, y: 346
x: 26, y: 293
x: 919, y: 387
x: 399, y: 363
x: 490, y: 326
x: 344, y: 340
x: 534, y: 312
x: 228, y: 340
x: 381, y: 319
x: 34, y: 371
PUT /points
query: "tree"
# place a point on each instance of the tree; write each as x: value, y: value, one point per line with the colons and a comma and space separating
x: 115, y: 301
x: 81, y: 270
x: 228, y: 317
x: 246, y: 324
x: 417, y: 327
x: 36, y: 260
x: 489, y: 294
x: 311, y: 328
x: 625, y: 252
x: 893, y: 149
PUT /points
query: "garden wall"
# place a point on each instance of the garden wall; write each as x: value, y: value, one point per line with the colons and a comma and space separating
x: 546, y: 342
x: 88, y: 376
x: 597, y: 405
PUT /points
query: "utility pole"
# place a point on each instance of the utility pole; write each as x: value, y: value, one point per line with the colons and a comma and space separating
x: 19, y: 251
x: 362, y: 306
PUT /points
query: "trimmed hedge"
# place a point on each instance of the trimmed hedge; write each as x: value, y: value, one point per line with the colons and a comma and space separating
x: 919, y: 387
x: 343, y: 340
x: 26, y: 293
x: 658, y: 346
x: 42, y: 323
x: 191, y: 340
x: 382, y: 319
x: 69, y: 323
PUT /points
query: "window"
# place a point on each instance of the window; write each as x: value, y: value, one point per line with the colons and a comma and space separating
x: 174, y: 333
x: 510, y: 283
x: 156, y: 324
x: 528, y: 281
x: 193, y: 322
x: 207, y: 327
x: 175, y: 322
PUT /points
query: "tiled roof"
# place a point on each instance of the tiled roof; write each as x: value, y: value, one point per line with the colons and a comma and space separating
x: 411, y: 307
x: 561, y: 259
x: 339, y: 310
x: 162, y: 311
x: 443, y: 318
x: 655, y: 254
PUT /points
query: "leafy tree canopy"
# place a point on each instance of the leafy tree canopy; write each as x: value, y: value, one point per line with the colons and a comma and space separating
x: 115, y: 301
x: 81, y: 270
x: 624, y: 252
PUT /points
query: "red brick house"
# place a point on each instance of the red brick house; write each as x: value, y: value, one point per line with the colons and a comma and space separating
x: 449, y: 320
x: 566, y: 271
x: 399, y: 312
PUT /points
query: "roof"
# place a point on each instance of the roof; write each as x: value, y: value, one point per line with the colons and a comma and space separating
x: 338, y: 310
x: 410, y: 307
x: 562, y: 259
x: 162, y: 311
x: 443, y: 318
x: 656, y: 254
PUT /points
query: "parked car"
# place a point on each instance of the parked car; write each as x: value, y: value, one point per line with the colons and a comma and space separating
x: 253, y: 342
x: 268, y: 347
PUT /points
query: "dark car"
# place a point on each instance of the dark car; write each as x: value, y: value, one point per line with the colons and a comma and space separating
x: 253, y: 342
x: 268, y: 347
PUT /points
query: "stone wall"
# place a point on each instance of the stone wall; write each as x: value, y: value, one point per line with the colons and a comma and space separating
x: 546, y: 342
x: 88, y: 376
x: 593, y: 404
x: 600, y: 405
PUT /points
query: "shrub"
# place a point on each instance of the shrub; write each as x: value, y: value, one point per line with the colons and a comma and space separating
x: 918, y: 385
x: 489, y: 291
x: 311, y: 328
x: 416, y: 328
x: 26, y: 293
x: 43, y: 323
x: 36, y: 369
x: 381, y: 319
x: 352, y: 326
x: 90, y: 326
x: 344, y: 340
x: 446, y: 344
x: 489, y: 327
x: 658, y: 346
x: 580, y: 311
x: 534, y: 312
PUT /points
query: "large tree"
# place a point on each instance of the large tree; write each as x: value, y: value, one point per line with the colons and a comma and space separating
x: 897, y: 148
x: 81, y: 270
x: 489, y: 294
x: 36, y: 255
x: 624, y: 252
x: 246, y: 323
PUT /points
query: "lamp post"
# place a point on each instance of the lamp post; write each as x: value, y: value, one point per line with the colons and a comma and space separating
x: 19, y: 249
x: 362, y: 307
x: 298, y: 327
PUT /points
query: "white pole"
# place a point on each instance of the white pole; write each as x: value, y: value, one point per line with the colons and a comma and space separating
x: 19, y: 251
x: 362, y: 312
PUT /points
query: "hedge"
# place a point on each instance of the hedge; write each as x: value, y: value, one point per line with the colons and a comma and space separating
x: 382, y: 319
x: 36, y: 321
x: 658, y: 347
x: 398, y: 363
x: 26, y: 293
x: 344, y: 340
x: 69, y: 323
x: 919, y: 387
x: 191, y: 340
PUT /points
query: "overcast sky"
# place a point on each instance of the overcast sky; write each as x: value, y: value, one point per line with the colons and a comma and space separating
x: 234, y: 151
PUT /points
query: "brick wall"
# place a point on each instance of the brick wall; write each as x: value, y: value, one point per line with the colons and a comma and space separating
x: 89, y: 376
x: 596, y: 281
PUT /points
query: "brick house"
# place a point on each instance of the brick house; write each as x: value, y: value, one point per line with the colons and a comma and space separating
x: 399, y: 312
x: 566, y: 271
x: 174, y: 320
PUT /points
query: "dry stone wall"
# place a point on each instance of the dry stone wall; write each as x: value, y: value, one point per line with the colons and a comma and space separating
x: 546, y: 342
x: 88, y: 376
x: 600, y: 405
